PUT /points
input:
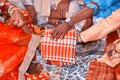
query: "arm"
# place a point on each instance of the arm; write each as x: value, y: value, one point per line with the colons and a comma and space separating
x: 102, y: 28
x: 62, y: 8
x: 32, y: 12
x: 61, y: 29
x: 16, y: 15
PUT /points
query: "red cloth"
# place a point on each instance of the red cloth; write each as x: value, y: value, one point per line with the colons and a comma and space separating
x: 101, y: 71
x: 60, y: 50
x: 12, y: 48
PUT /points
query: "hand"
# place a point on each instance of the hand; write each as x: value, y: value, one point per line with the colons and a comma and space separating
x: 118, y: 48
x: 18, y: 18
x: 63, y: 7
x: 60, y: 31
x: 33, y: 14
x: 53, y: 22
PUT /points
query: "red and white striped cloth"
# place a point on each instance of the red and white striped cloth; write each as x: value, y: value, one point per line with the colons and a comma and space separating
x: 62, y: 50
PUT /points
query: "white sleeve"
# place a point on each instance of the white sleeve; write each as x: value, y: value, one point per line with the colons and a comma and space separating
x: 102, y: 28
x: 27, y: 2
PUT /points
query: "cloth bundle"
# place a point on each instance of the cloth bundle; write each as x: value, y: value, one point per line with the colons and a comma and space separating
x: 62, y: 50
x: 101, y: 71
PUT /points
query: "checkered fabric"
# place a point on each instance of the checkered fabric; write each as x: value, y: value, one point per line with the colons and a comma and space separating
x: 62, y: 50
x: 99, y: 71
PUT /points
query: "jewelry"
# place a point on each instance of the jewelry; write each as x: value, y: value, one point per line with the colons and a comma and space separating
x: 69, y: 21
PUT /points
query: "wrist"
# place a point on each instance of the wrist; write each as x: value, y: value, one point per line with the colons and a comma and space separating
x: 69, y: 21
x: 11, y: 10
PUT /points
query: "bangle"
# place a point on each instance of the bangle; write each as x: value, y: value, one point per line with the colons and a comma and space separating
x: 69, y: 21
x: 11, y: 10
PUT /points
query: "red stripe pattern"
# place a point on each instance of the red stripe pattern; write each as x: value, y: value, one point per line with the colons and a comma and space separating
x: 62, y: 50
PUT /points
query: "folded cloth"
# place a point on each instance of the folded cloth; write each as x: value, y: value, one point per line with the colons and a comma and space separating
x: 62, y: 50
x: 99, y: 71
x: 117, y: 72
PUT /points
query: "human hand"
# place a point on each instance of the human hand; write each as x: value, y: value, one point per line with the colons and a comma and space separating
x: 53, y: 22
x: 62, y: 8
x: 60, y: 31
x: 17, y: 18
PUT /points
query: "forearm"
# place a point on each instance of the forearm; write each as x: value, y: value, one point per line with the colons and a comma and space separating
x: 10, y: 8
x: 83, y: 14
x: 102, y: 28
x: 32, y: 12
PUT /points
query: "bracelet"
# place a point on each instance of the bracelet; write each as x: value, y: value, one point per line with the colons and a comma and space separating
x: 69, y: 21
x: 10, y: 9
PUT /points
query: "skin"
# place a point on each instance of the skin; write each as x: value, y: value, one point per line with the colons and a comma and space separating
x: 60, y: 30
x: 32, y: 12
x: 17, y: 18
x: 59, y: 13
x: 63, y: 7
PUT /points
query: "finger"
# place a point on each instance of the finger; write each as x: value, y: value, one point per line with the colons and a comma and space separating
x: 62, y: 35
x: 58, y: 35
x: 58, y: 10
x: 20, y: 24
x: 61, y: 11
x: 53, y: 31
x: 15, y: 22
x: 55, y: 34
x: 64, y: 12
x: 12, y: 19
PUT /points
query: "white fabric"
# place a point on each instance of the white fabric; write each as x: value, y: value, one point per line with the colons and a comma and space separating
x: 73, y: 9
x: 21, y: 3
